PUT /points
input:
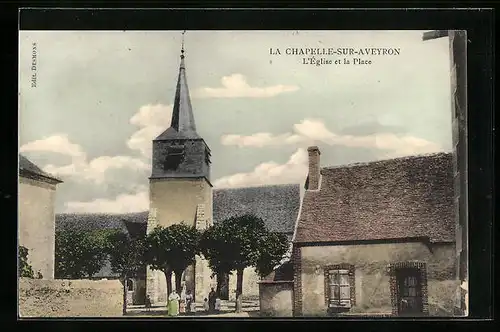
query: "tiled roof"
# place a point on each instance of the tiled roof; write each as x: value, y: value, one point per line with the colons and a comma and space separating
x: 96, y: 221
x: 409, y: 197
x: 29, y: 169
x: 277, y: 205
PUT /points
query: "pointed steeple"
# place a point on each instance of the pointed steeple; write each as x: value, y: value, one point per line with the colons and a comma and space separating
x: 182, y: 124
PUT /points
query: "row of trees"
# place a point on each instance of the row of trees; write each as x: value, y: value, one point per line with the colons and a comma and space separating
x: 231, y: 245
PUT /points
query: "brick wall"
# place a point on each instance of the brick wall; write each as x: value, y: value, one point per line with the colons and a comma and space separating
x: 70, y: 298
x: 297, y: 281
x: 314, y: 168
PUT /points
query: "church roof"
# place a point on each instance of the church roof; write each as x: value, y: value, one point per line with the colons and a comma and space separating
x: 277, y: 205
x: 411, y: 197
x: 96, y: 221
x: 29, y: 169
x: 182, y: 125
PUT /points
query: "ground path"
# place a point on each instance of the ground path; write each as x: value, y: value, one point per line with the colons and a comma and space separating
x: 250, y: 309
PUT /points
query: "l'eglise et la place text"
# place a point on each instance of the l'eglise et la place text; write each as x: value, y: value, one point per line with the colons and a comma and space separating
x: 370, y: 51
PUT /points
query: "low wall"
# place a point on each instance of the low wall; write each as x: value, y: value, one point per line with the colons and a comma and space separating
x: 276, y: 298
x: 70, y: 298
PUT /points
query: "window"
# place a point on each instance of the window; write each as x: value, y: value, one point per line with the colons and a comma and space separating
x: 207, y: 157
x: 339, y: 288
x: 175, y: 156
x: 130, y: 285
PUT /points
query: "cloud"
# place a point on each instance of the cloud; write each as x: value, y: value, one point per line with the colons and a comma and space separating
x: 236, y: 86
x: 58, y: 143
x: 106, y: 174
x: 151, y: 120
x: 126, y: 203
x: 80, y: 169
x: 311, y: 131
x: 293, y: 171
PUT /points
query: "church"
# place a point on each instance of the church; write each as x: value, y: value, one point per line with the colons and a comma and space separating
x: 181, y: 191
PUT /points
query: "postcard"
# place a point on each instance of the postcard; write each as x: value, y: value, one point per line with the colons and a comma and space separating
x: 242, y: 174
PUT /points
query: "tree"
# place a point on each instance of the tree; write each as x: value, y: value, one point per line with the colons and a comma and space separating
x: 25, y: 270
x: 272, y: 250
x: 80, y: 254
x: 172, y: 249
x: 126, y: 256
x: 233, y: 244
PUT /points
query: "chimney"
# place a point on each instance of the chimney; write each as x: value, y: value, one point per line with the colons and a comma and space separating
x: 314, y: 168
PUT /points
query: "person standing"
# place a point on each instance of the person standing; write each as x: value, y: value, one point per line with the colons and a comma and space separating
x: 217, y: 304
x: 173, y: 304
x: 211, y: 300
x: 189, y: 302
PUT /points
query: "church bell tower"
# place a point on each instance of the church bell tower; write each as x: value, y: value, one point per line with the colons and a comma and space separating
x: 179, y: 187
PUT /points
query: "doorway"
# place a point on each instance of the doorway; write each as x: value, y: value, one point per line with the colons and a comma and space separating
x: 409, y: 290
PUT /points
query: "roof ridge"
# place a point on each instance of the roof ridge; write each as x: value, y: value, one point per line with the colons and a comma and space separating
x: 261, y: 186
x: 382, y: 161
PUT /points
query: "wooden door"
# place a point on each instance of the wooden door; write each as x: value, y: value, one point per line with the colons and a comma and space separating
x: 409, y: 292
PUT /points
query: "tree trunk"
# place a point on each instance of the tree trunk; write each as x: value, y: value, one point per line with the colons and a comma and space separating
x: 239, y: 289
x: 219, y: 283
x: 168, y: 276
x: 125, y: 288
x: 178, y: 281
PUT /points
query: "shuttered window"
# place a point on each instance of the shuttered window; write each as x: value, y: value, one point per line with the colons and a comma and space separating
x: 340, y: 288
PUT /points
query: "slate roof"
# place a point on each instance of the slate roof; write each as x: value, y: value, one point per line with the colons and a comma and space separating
x: 29, y: 169
x: 277, y: 205
x: 182, y: 125
x: 411, y: 197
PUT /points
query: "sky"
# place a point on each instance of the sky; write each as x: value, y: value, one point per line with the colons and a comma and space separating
x: 102, y: 96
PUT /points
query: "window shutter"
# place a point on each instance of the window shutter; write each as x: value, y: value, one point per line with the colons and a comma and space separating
x: 345, y: 288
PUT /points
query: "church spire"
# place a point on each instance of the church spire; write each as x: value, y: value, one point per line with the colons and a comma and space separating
x: 182, y: 124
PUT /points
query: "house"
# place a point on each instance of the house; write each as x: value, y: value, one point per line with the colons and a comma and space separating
x: 133, y: 224
x: 376, y: 238
x: 36, y: 197
x: 277, y: 205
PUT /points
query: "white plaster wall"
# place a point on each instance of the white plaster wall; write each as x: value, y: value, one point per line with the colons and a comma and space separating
x: 250, y: 284
x: 36, y: 226
x: 175, y: 201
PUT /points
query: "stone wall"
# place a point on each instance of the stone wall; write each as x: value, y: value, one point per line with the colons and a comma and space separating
x: 250, y: 284
x: 36, y: 226
x: 372, y: 287
x: 70, y: 298
x: 276, y: 298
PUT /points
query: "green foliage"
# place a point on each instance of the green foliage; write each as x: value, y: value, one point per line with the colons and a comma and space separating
x: 25, y: 270
x: 126, y: 254
x: 172, y: 248
x: 80, y: 254
x: 272, y: 248
x: 235, y: 243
